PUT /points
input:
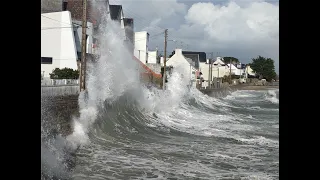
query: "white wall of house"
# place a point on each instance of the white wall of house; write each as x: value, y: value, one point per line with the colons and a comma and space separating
x: 141, y: 46
x: 57, y: 41
x: 234, y: 69
x: 204, y: 68
x: 152, y: 57
x: 220, y: 71
x: 250, y: 71
x: 217, y: 71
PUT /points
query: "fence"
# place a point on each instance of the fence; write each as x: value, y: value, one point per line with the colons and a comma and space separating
x: 59, y: 82
x: 62, y: 90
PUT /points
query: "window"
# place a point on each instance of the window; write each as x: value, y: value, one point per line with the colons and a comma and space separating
x: 46, y: 60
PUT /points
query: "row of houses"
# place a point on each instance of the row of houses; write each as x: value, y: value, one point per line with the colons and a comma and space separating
x: 205, y: 69
x: 61, y: 34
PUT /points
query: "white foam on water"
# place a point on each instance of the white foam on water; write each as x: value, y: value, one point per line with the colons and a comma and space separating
x: 261, y: 141
x: 272, y: 96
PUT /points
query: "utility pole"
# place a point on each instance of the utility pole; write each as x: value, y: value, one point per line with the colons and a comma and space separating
x: 230, y: 71
x: 83, y: 46
x: 165, y: 59
x: 209, y: 74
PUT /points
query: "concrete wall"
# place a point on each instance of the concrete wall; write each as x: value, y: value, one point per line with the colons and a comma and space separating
x: 57, y: 113
x: 53, y: 91
x: 57, y: 41
x: 141, y: 44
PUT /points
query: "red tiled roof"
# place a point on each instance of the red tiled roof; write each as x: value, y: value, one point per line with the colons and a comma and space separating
x: 147, y: 68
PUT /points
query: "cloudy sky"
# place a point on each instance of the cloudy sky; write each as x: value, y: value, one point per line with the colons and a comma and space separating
x: 240, y: 28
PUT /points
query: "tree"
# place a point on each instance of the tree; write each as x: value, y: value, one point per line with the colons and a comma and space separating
x: 232, y: 59
x: 65, y: 73
x: 264, y: 67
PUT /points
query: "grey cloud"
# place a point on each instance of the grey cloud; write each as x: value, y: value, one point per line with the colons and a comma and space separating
x: 243, y: 29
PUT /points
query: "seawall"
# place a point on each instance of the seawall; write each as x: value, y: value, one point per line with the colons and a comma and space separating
x: 57, y: 113
x: 224, y: 91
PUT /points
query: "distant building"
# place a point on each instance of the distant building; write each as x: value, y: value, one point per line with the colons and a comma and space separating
x: 141, y: 41
x: 178, y: 59
x: 249, y: 72
x: 196, y: 57
x: 152, y: 57
x: 235, y: 71
x: 219, y: 69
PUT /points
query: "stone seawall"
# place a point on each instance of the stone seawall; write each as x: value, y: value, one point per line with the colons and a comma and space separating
x: 57, y: 113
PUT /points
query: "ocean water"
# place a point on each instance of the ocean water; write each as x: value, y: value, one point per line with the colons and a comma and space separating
x: 235, y: 137
x: 128, y: 131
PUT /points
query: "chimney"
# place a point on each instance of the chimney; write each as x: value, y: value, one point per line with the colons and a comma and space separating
x: 178, y: 52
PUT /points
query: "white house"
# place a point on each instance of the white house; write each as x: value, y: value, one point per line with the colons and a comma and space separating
x: 141, y: 41
x: 178, y: 60
x: 249, y: 71
x: 219, y: 69
x: 152, y: 57
x: 59, y: 42
x: 218, y: 62
x: 235, y: 70
x: 58, y: 47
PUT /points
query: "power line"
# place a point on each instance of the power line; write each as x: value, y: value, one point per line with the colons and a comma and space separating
x: 47, y: 28
x: 60, y: 21
x: 139, y: 17
x: 149, y: 37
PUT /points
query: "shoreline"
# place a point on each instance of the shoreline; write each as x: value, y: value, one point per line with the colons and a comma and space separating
x: 252, y: 87
x: 224, y: 91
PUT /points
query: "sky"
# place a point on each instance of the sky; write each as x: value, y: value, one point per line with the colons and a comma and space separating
x: 238, y: 28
